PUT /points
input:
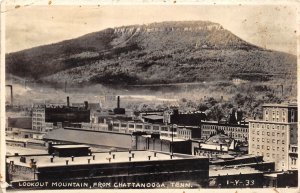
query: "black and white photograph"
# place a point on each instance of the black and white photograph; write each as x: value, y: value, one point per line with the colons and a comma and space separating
x: 157, y: 95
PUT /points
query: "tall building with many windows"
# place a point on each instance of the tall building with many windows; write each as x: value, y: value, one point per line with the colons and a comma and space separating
x: 273, y: 136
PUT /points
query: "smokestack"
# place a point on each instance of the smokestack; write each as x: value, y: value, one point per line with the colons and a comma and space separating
x: 68, y: 101
x: 118, y: 105
x: 86, y: 105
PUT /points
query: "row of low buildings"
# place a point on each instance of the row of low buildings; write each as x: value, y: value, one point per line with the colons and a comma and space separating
x: 76, y: 166
x: 274, y: 137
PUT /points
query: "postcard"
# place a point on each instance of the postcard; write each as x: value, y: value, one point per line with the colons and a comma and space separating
x: 149, y: 95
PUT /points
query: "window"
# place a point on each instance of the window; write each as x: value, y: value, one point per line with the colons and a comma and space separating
x: 278, y: 141
x: 282, y: 128
x: 282, y: 134
x: 262, y: 146
x: 253, y: 125
x: 282, y: 141
x: 257, y: 146
x: 257, y: 139
x: 257, y: 132
x: 268, y: 155
x: 273, y: 140
x: 268, y: 126
x: 283, y: 149
x: 277, y: 148
x: 267, y: 112
x: 268, y: 133
x: 263, y: 139
x: 268, y: 147
x: 268, y: 140
x: 253, y: 139
x: 277, y: 112
x: 273, y: 134
x: 262, y: 132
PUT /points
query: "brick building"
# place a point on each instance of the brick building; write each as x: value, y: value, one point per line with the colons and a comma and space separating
x: 273, y: 136
x: 238, y: 132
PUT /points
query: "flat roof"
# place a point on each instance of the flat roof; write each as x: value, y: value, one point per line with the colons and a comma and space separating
x: 167, y: 138
x: 232, y: 171
x: 93, y: 137
x: 70, y: 146
x: 292, y: 104
x: 154, y: 117
x: 100, y: 158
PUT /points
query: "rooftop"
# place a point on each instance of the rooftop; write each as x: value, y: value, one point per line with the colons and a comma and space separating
x: 153, y: 117
x: 100, y: 158
x: 292, y: 104
x: 70, y: 146
x: 232, y: 171
x: 167, y: 138
x: 219, y: 139
x: 90, y: 137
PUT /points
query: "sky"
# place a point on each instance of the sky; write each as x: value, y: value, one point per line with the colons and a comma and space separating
x: 268, y: 26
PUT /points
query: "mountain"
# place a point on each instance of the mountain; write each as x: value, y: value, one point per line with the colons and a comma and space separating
x: 166, y: 52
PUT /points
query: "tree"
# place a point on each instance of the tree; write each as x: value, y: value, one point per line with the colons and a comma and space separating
x: 202, y: 107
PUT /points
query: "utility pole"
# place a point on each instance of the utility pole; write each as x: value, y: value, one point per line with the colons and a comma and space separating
x: 172, y: 139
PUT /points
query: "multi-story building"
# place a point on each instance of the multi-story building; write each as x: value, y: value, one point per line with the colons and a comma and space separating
x: 130, y: 127
x: 47, y: 116
x: 38, y: 118
x: 189, y: 132
x: 239, y: 132
x: 273, y: 136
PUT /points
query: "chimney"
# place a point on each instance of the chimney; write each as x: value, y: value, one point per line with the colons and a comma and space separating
x: 154, y: 154
x: 67, y: 162
x: 132, y: 155
x: 94, y: 156
x: 86, y: 105
x: 51, y: 159
x: 89, y: 161
x: 118, y: 104
x: 114, y: 156
x: 149, y: 157
x: 72, y: 158
x: 68, y: 101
